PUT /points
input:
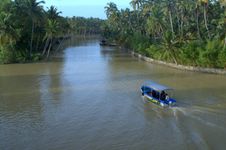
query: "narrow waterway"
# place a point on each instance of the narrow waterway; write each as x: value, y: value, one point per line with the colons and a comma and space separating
x: 88, y: 98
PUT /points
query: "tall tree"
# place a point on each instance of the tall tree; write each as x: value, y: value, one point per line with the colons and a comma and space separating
x: 34, y: 10
x: 52, y: 27
x: 53, y: 13
x: 205, y: 7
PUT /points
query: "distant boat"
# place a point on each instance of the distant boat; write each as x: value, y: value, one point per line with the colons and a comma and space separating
x: 112, y: 44
x: 105, y: 43
x: 157, y: 93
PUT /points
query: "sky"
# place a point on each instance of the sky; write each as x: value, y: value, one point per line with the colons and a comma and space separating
x: 85, y: 8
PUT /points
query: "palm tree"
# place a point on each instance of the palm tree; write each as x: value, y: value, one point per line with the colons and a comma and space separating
x: 8, y: 34
x: 34, y: 10
x: 113, y: 15
x: 111, y: 9
x: 205, y: 6
x: 169, y: 46
x: 8, y: 38
x: 155, y: 23
x: 51, y: 31
x: 197, y: 4
x: 53, y: 13
x: 169, y: 9
x: 126, y: 20
x: 136, y: 4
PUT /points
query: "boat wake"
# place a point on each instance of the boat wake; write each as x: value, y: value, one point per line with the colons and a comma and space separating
x: 204, y: 115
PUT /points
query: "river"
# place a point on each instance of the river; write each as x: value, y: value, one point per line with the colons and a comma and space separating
x: 87, y: 98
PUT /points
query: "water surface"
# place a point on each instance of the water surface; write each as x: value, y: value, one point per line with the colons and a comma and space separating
x: 87, y: 98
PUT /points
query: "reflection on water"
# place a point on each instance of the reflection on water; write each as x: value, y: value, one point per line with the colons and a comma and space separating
x: 88, y: 97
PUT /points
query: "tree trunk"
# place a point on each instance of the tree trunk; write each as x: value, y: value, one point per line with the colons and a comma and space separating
x: 197, y: 22
x: 84, y: 34
x: 174, y: 56
x: 171, y: 22
x: 224, y: 42
x: 182, y: 24
x: 51, y: 41
x: 45, y: 47
x: 31, y: 42
x: 37, y: 43
x: 60, y: 44
x: 205, y: 19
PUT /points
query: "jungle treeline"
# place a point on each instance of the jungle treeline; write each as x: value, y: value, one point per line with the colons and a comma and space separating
x: 188, y: 32
x: 29, y: 32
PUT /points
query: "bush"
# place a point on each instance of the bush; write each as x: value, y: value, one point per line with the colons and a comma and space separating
x: 36, y: 57
x: 189, y: 53
x: 138, y: 43
x: 222, y: 58
x: 154, y: 51
x: 210, y: 56
x: 6, y: 54
x: 21, y: 56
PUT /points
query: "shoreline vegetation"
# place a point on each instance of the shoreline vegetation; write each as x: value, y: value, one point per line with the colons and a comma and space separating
x: 184, y: 33
x: 29, y: 33
x: 181, y: 67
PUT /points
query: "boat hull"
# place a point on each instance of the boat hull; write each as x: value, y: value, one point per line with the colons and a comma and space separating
x: 151, y: 99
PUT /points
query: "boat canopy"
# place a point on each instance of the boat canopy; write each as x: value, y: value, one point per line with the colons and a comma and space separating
x: 156, y: 86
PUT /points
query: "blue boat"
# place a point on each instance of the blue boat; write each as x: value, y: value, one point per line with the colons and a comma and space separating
x: 158, y: 94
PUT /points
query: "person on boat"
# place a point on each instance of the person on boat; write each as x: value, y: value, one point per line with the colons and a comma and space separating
x: 153, y: 94
x: 167, y: 97
x: 150, y: 93
x: 163, y: 95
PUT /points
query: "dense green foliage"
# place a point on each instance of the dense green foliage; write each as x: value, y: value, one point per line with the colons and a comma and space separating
x: 85, y: 26
x: 28, y: 32
x: 190, y: 32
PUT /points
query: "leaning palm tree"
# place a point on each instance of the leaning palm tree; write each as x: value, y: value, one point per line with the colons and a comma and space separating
x: 51, y: 32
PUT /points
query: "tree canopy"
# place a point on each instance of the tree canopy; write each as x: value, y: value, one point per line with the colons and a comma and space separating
x: 191, y: 32
x: 28, y: 32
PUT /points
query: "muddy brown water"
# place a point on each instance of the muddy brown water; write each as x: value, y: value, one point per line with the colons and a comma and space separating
x: 88, y: 98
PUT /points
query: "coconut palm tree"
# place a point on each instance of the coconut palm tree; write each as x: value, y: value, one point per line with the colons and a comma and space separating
x: 136, y: 4
x: 52, y: 27
x: 111, y: 9
x: 113, y: 15
x: 33, y: 9
x: 8, y: 33
x: 155, y: 23
x: 8, y: 37
x: 53, y: 13
x: 204, y: 3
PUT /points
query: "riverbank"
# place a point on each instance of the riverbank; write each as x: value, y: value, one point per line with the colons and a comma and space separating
x: 181, y: 67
